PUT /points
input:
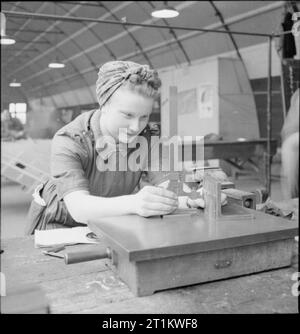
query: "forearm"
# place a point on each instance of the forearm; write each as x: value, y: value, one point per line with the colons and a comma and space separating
x: 88, y: 207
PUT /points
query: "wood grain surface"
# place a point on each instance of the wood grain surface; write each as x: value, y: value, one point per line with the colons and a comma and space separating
x: 92, y: 288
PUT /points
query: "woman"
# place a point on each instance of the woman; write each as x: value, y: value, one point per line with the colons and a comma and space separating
x: 290, y: 150
x: 80, y: 188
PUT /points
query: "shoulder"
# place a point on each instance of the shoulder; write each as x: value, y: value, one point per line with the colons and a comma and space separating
x: 71, y: 136
x: 77, y: 126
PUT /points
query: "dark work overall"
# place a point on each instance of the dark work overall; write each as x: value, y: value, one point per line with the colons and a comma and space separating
x: 52, y: 215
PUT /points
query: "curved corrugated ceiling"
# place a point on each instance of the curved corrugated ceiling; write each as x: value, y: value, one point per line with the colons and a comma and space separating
x: 84, y: 46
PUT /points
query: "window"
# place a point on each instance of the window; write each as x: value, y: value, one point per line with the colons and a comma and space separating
x: 18, y: 110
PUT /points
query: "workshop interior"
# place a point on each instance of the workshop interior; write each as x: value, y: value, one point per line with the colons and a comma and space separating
x: 229, y: 74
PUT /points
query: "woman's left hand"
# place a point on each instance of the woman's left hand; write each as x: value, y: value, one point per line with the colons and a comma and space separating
x: 200, y: 203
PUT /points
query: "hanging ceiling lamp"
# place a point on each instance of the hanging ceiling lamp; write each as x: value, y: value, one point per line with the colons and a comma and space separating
x: 14, y: 83
x: 165, y: 12
x: 56, y: 63
x: 5, y: 40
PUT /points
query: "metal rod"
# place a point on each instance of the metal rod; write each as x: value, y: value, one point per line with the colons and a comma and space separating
x: 269, y: 119
x: 219, y: 14
x: 34, y: 31
x: 279, y: 34
x: 85, y: 4
x: 156, y: 26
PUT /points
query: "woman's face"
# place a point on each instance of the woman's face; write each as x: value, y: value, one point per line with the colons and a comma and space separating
x: 126, y: 111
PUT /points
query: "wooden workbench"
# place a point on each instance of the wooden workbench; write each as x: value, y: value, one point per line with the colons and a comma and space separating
x: 91, y: 287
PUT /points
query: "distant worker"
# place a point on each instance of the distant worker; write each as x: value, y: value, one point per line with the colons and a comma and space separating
x: 290, y: 150
x: 11, y: 127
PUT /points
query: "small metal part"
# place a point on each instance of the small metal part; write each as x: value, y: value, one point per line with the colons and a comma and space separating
x: 92, y: 236
x: 223, y: 264
x: 248, y: 203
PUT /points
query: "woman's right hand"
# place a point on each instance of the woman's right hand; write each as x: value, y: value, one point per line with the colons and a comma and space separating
x: 153, y: 201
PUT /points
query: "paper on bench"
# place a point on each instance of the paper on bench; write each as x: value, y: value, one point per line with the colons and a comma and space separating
x: 62, y: 236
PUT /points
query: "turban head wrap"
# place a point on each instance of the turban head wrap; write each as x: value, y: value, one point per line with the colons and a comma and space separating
x: 113, y: 75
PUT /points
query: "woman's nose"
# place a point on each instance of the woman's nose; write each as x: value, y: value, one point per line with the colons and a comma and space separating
x: 134, y: 126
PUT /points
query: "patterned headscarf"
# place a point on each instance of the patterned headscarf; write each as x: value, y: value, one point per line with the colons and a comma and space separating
x: 113, y: 74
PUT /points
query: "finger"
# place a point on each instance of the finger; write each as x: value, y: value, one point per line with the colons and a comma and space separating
x: 224, y: 203
x: 200, y: 191
x: 162, y: 192
x: 150, y: 213
x: 160, y: 207
x: 161, y: 199
x: 164, y: 184
x: 196, y: 203
x: 223, y: 198
x: 186, y: 188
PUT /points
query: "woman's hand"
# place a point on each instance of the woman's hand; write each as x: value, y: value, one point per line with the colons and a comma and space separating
x: 153, y: 201
x: 198, y: 176
x: 200, y: 203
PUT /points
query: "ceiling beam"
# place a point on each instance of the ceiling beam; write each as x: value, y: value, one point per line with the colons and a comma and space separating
x: 35, y: 42
x: 50, y: 17
x: 34, y: 31
x: 138, y: 45
x: 85, y: 4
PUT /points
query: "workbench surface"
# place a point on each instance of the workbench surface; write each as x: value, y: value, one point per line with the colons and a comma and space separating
x: 91, y: 287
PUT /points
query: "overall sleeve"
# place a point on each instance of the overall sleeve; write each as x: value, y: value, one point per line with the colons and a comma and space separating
x: 68, y: 157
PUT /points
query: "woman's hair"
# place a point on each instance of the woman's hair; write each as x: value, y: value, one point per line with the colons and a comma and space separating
x: 147, y: 85
x: 136, y: 77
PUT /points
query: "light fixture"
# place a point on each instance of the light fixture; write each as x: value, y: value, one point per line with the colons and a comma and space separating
x: 14, y: 83
x: 165, y: 12
x: 5, y: 40
x: 56, y: 63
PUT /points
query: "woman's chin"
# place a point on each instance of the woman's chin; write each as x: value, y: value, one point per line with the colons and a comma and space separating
x: 126, y: 139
